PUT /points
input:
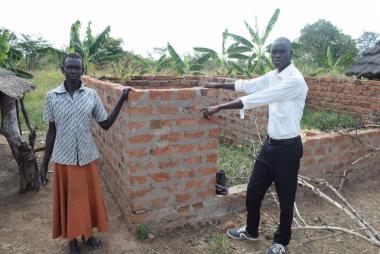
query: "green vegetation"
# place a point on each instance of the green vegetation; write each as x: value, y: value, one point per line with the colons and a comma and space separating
x: 236, y: 162
x: 314, y: 42
x: 142, y: 232
x: 35, y: 100
x: 255, y: 48
x: 220, y: 244
x: 329, y: 120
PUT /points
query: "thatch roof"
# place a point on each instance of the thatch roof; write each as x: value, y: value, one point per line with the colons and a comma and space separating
x: 368, y: 65
x: 12, y: 85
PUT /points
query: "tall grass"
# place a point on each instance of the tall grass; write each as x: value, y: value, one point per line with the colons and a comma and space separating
x: 35, y: 100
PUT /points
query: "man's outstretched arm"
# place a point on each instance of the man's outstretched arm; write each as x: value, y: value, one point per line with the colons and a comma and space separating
x: 209, y: 111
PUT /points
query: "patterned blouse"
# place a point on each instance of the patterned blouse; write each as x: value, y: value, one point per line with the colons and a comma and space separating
x: 72, y: 116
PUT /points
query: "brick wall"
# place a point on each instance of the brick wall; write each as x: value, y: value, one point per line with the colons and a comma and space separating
x: 361, y: 97
x: 334, y: 152
x: 159, y: 158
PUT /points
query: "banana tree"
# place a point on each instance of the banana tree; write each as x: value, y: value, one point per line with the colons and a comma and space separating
x: 9, y: 55
x: 183, y: 66
x: 331, y: 66
x: 256, y: 55
x: 227, y: 67
x: 91, y: 47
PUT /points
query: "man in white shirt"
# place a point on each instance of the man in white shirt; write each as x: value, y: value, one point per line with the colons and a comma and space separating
x: 284, y: 90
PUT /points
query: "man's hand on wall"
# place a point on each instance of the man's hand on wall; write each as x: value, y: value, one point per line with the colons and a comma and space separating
x: 209, y: 111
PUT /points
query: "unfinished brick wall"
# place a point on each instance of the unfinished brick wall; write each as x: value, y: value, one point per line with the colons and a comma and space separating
x: 334, y: 152
x: 159, y: 158
x: 361, y: 97
x: 232, y: 128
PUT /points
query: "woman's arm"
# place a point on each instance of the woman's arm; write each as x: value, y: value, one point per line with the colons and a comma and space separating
x: 49, y: 145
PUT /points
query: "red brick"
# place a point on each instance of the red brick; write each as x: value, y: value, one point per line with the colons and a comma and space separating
x: 186, y: 94
x: 198, y: 205
x: 141, y: 193
x: 212, y: 144
x: 167, y: 164
x: 213, y: 133
x: 181, y: 174
x: 182, y: 197
x: 189, y: 122
x: 193, y: 160
x: 158, y: 124
x: 138, y: 179
x: 205, y: 194
x: 212, y: 158
x: 194, y: 134
x: 159, y: 94
x: 207, y: 171
x: 319, y: 151
x: 134, y: 96
x: 185, y: 148
x: 133, y: 168
x: 138, y: 207
x: 158, y: 202
x: 160, y: 177
x: 202, y: 147
x: 159, y: 151
x: 194, y: 184
x: 175, y: 136
x: 167, y: 109
x: 140, y: 110
x: 137, y: 153
x: 141, y: 138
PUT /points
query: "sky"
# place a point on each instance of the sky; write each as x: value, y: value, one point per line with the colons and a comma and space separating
x: 144, y: 24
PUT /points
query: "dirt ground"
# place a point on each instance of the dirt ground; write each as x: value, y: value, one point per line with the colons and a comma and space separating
x: 25, y: 222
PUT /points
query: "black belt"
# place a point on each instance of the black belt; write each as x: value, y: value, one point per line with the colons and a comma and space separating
x: 273, y: 141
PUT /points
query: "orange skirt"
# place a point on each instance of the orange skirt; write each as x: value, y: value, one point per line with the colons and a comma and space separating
x: 78, y: 204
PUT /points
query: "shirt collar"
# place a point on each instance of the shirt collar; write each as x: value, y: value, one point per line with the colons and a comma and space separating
x: 285, y: 72
x: 62, y: 89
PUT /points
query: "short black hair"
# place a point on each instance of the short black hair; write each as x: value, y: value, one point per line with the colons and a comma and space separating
x: 284, y: 40
x: 73, y: 55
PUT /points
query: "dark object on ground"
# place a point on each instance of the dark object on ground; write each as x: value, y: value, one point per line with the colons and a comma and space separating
x: 221, y: 183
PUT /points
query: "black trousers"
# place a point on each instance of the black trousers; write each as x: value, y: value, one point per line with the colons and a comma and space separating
x: 278, y: 162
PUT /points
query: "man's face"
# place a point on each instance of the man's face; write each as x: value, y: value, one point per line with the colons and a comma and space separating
x: 72, y: 69
x: 281, y: 54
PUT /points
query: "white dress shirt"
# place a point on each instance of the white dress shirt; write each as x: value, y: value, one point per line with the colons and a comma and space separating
x: 284, y: 92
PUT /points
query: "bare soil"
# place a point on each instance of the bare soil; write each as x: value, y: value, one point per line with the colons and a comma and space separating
x: 25, y: 222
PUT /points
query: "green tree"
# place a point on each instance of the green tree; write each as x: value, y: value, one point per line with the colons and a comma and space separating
x: 367, y: 40
x: 183, y: 66
x: 316, y: 37
x: 9, y: 55
x: 34, y: 48
x: 255, y: 50
x: 92, y: 47
x: 226, y: 66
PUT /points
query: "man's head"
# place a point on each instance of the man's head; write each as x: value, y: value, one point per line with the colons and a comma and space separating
x: 281, y: 53
x: 73, y: 67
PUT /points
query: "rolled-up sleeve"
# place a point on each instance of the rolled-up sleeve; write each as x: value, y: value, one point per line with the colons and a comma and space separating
x: 99, y: 112
x: 284, y: 91
x: 48, y: 115
x: 252, y: 85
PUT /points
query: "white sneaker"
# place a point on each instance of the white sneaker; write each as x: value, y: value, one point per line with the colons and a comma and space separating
x: 277, y: 249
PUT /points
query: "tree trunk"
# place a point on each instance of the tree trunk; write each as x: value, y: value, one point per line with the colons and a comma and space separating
x: 22, y: 151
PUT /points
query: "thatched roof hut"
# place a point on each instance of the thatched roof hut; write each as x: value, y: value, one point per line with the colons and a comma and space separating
x: 368, y: 65
x: 12, y: 85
